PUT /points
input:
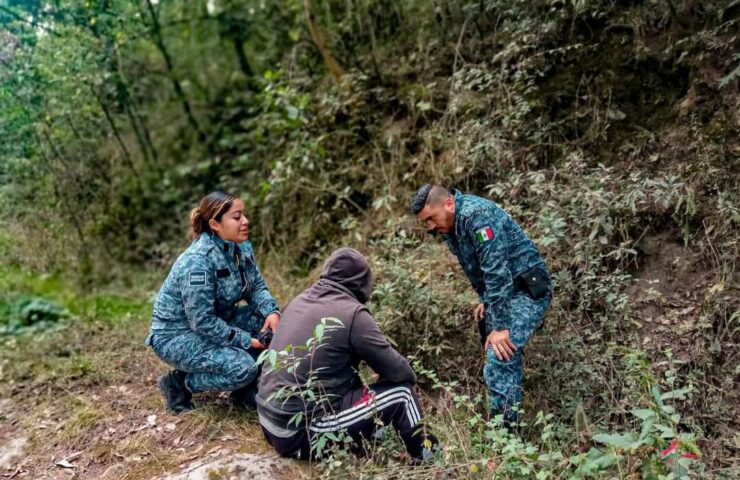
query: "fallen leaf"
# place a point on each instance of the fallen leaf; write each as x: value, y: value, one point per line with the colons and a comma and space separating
x: 64, y: 464
x: 151, y: 420
x: 74, y: 456
x: 177, y: 441
x: 170, y: 427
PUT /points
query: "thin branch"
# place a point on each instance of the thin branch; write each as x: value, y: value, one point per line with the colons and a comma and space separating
x: 29, y: 21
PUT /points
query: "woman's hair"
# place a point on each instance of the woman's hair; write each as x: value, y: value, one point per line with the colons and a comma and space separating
x: 212, y: 206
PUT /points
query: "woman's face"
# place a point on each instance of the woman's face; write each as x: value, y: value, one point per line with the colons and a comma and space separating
x: 234, y: 225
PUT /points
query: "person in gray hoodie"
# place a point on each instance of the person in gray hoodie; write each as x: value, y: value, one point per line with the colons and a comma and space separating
x: 314, y: 388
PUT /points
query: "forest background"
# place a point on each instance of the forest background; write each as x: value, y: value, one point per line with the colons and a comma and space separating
x: 610, y: 129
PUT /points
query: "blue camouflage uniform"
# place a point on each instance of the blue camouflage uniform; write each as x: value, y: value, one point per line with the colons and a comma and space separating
x: 494, y: 252
x: 197, y: 326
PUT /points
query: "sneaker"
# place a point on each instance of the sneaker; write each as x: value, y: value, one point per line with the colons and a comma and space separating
x: 245, y: 397
x: 429, y: 451
x: 176, y: 395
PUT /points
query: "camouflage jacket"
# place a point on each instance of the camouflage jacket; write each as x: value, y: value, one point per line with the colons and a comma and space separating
x: 203, y: 288
x: 492, y: 250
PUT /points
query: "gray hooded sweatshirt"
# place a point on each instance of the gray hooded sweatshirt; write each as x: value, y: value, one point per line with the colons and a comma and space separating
x: 343, y: 288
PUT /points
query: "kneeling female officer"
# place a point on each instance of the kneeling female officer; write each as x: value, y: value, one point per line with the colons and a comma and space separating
x: 197, y: 326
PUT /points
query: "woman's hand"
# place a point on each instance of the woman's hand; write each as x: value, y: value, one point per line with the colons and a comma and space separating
x: 479, y: 312
x: 502, y: 345
x: 271, y: 322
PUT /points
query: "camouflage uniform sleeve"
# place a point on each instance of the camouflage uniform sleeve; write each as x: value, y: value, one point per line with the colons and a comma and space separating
x: 259, y: 295
x: 486, y: 231
x: 198, y: 290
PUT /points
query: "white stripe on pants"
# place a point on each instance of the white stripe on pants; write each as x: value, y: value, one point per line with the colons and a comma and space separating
x: 362, y: 411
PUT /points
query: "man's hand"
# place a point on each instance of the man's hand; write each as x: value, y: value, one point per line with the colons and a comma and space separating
x: 271, y: 321
x: 502, y: 345
x: 479, y: 312
x: 257, y: 345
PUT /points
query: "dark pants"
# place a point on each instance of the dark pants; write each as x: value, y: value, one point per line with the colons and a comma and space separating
x: 389, y: 403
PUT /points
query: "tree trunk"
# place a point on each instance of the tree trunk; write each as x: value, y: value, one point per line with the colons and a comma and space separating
x: 93, y: 156
x: 114, y: 129
x: 159, y: 42
x: 124, y: 97
x: 72, y: 213
x: 318, y: 38
x: 241, y: 55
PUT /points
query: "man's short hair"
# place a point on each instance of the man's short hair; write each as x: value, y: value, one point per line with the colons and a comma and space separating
x: 428, y: 194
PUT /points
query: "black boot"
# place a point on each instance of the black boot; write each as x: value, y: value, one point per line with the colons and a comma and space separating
x: 244, y: 398
x: 176, y: 395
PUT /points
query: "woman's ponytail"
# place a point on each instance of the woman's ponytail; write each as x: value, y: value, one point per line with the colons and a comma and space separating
x: 212, y: 206
x: 196, y: 223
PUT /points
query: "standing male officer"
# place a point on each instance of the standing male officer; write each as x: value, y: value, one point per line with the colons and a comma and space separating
x: 508, y: 273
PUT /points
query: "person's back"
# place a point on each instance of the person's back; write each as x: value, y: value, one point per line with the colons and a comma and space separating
x: 339, y: 295
x: 310, y: 390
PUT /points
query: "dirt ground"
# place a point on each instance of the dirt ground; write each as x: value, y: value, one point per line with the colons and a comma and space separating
x: 96, y: 413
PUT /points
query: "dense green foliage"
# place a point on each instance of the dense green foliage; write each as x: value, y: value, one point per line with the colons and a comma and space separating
x: 610, y: 129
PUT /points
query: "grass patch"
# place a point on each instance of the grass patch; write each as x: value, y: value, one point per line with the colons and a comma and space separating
x: 83, y: 417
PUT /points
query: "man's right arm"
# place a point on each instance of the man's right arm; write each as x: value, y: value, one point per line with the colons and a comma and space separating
x: 370, y: 345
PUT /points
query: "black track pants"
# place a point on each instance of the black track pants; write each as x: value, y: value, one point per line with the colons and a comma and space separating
x: 392, y: 404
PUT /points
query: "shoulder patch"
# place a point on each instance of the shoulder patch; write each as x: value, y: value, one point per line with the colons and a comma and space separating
x: 484, y: 234
x: 197, y: 278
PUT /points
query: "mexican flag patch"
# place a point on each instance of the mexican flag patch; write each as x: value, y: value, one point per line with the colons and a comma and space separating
x: 484, y: 234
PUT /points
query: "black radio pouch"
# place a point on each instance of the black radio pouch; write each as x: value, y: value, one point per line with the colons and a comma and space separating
x: 535, y: 283
x: 482, y: 331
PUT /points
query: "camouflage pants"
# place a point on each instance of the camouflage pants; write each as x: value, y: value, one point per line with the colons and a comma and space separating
x: 504, y: 377
x: 212, y: 367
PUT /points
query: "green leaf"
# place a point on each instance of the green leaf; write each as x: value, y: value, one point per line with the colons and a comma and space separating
x: 318, y: 332
x: 647, y: 427
x: 296, y: 419
x: 626, y: 441
x: 679, y: 394
x: 643, y: 413
x: 262, y: 357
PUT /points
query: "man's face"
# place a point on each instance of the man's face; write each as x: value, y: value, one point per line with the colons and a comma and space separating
x: 439, y: 218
